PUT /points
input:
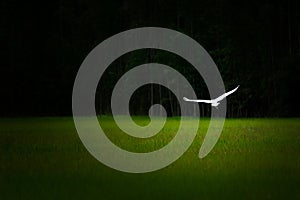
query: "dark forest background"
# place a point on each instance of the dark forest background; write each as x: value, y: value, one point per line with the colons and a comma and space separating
x: 255, y: 44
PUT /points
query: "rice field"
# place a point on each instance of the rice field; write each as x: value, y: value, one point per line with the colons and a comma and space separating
x: 43, y: 158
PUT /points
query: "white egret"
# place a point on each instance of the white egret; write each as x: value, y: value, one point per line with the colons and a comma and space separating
x: 214, y: 102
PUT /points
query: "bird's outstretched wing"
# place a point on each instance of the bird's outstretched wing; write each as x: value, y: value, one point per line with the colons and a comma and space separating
x: 197, y: 100
x: 220, y: 98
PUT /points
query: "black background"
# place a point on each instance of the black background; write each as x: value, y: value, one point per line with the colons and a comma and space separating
x: 254, y: 43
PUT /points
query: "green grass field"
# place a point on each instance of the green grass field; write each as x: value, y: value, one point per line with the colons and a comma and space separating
x: 43, y: 158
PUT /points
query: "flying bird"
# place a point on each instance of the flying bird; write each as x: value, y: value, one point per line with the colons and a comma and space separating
x: 214, y: 102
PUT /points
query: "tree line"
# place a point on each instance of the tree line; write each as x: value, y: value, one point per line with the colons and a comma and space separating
x: 255, y: 44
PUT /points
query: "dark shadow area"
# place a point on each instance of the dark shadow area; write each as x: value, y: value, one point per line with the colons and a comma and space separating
x: 255, y: 44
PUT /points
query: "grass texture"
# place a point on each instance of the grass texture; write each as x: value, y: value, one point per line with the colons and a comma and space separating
x: 43, y: 158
